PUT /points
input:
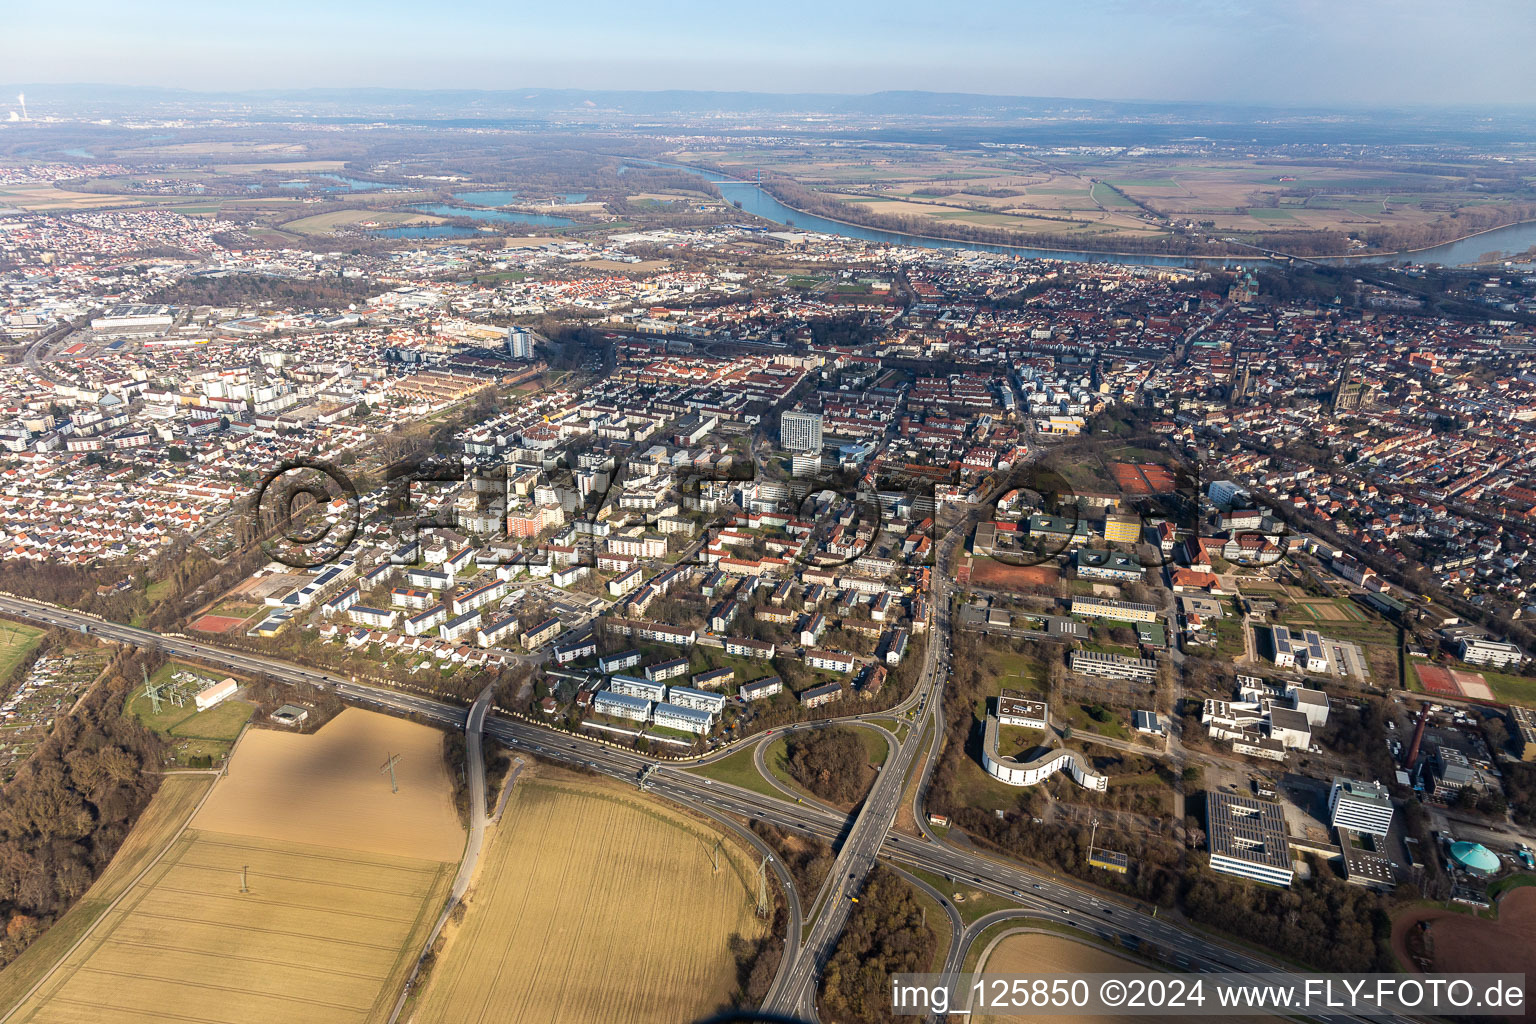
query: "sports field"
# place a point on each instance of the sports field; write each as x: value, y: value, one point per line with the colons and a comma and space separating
x: 1453, y: 682
x: 594, y: 904
x: 987, y: 572
x: 340, y: 888
x: 215, y: 623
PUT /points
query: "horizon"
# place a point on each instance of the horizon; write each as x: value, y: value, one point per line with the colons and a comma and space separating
x: 35, y: 91
x: 1370, y: 55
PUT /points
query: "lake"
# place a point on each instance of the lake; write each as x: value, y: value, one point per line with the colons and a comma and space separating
x: 317, y: 183
x: 495, y: 197
x: 501, y: 216
x: 428, y: 231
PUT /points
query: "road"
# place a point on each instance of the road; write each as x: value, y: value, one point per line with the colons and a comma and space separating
x: 474, y: 770
x: 1187, y: 947
x: 854, y: 861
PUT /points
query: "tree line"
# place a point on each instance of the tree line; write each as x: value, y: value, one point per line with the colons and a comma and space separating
x: 831, y: 763
x: 72, y: 804
x: 887, y: 933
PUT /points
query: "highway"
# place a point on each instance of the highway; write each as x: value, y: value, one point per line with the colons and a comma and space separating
x: 863, y: 839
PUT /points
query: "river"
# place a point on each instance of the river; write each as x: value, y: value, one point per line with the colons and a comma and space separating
x: 751, y: 198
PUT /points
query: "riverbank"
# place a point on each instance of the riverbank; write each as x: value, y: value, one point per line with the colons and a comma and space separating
x: 897, y: 237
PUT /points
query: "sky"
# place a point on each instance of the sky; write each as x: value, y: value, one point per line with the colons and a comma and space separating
x: 1342, y: 53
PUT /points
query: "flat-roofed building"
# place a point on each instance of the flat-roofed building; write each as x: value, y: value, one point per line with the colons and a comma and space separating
x: 1364, y: 864
x: 1247, y: 838
x: 1030, y: 773
x: 1114, y: 666
x: 1122, y: 529
x: 1290, y: 728
x: 800, y: 431
x: 1108, y: 565
x: 1360, y: 806
x: 1014, y: 708
x: 1525, y: 731
x: 1482, y: 651
x: 1120, y: 611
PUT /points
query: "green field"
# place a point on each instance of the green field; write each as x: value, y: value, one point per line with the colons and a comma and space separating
x: 738, y: 770
x: 193, y: 733
x: 1509, y: 689
x: 16, y: 642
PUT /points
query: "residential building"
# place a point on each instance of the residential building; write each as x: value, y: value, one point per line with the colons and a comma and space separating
x: 761, y: 688
x: 800, y: 431
x: 688, y: 719
x: 816, y: 696
x: 621, y: 706
x: 634, y: 686
x: 541, y: 634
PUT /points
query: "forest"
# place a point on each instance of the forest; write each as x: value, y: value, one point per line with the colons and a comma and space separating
x: 268, y: 291
x: 831, y: 763
x: 72, y: 804
x: 1326, y: 923
x: 886, y: 934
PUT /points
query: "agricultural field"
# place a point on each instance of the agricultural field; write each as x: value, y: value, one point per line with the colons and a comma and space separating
x: 1040, y: 953
x: 594, y: 904
x: 1096, y: 199
x: 301, y: 891
x: 47, y: 199
x: 325, y: 223
x: 161, y: 822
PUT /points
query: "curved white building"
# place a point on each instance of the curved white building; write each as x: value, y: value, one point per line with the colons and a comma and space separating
x: 1030, y: 773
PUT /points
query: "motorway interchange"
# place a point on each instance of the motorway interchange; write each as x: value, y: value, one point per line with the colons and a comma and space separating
x: 863, y: 838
